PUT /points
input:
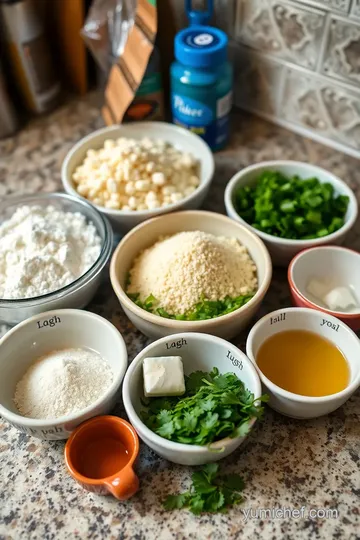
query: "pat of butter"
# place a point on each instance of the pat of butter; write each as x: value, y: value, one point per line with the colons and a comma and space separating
x: 163, y: 376
x: 339, y: 298
x: 317, y: 289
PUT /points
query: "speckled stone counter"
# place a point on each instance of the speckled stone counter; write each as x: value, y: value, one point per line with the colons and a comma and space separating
x: 287, y: 464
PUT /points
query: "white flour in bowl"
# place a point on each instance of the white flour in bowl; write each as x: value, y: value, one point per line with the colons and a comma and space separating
x: 43, y: 249
x: 61, y: 383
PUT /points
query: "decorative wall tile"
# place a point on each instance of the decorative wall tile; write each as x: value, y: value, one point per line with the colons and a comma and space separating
x: 342, y: 56
x: 285, y: 30
x: 336, y: 5
x: 322, y: 106
x: 257, y: 80
x: 355, y: 8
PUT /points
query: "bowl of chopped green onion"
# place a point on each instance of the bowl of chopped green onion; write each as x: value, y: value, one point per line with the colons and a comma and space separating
x: 291, y: 206
x: 213, y: 416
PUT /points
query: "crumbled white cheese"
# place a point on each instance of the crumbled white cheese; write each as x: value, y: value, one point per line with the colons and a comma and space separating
x: 317, y: 288
x: 42, y: 249
x: 129, y: 174
x: 163, y: 376
x: 339, y: 298
x: 181, y: 269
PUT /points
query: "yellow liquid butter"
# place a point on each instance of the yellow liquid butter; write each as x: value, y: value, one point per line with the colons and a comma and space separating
x: 303, y: 363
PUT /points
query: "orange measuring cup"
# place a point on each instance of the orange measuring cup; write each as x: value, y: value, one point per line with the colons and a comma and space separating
x: 100, y: 454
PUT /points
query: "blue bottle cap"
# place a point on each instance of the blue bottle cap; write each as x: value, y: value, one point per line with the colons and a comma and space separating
x: 201, y: 46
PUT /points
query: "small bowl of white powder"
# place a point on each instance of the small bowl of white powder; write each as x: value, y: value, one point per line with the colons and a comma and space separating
x: 59, y: 369
x: 53, y: 248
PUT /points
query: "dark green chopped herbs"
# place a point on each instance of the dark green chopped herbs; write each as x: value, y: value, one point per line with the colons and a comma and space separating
x: 209, y: 492
x: 213, y: 407
x: 203, y: 310
x: 291, y: 207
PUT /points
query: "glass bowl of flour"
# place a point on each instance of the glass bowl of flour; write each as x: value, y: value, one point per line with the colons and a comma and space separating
x: 53, y: 249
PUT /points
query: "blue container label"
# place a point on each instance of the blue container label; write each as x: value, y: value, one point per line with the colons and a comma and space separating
x: 189, y: 110
x: 211, y: 125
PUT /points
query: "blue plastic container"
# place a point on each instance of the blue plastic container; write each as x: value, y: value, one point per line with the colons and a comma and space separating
x: 201, y: 82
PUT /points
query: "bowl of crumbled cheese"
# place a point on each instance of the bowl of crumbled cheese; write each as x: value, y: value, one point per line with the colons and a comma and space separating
x: 190, y: 271
x: 59, y: 369
x: 136, y: 171
x: 53, y: 249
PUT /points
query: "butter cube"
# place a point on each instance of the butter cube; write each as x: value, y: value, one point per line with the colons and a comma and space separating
x: 163, y: 376
x: 340, y: 298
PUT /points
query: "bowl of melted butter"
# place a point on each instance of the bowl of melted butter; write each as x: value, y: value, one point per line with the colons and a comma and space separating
x: 308, y: 361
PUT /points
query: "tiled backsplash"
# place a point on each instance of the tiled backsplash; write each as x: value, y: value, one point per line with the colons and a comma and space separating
x: 298, y: 63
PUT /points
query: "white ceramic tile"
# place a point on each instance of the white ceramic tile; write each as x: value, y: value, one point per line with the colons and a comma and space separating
x: 322, y: 106
x: 257, y: 80
x: 283, y: 29
x: 355, y: 8
x: 342, y: 56
x: 331, y: 5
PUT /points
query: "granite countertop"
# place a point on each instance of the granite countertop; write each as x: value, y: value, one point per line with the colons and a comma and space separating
x: 286, y: 463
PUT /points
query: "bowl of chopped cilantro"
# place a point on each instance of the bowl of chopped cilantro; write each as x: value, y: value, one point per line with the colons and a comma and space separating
x: 221, y: 403
x: 292, y: 206
x: 191, y: 271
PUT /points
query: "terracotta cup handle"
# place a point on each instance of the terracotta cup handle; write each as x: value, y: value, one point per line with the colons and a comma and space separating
x: 124, y: 484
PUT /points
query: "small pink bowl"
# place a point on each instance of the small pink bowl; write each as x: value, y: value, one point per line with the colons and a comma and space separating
x: 334, y: 264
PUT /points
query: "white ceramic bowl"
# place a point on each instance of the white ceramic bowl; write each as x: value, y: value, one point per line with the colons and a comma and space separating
x: 324, y: 325
x: 181, y: 138
x: 48, y: 332
x: 283, y: 250
x: 146, y: 234
x: 81, y: 291
x: 334, y: 266
x: 198, y: 352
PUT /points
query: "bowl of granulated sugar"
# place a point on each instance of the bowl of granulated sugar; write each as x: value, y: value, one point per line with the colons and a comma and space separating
x: 59, y: 369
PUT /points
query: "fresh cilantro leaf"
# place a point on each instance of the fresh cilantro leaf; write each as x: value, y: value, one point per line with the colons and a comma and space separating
x: 210, y: 421
x: 214, y: 501
x: 213, y: 407
x: 210, y: 471
x: 195, y: 381
x: 196, y: 504
x: 209, y: 492
x: 164, y: 417
x: 233, y: 482
x: 189, y: 422
x: 201, y: 483
x: 241, y: 430
x: 208, y: 405
x: 166, y: 430
x: 176, y: 501
x: 225, y: 413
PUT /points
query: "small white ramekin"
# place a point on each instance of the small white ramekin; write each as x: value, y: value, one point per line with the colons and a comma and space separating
x: 146, y: 234
x: 47, y: 332
x: 198, y: 352
x: 326, y: 326
x: 181, y: 138
x: 282, y: 250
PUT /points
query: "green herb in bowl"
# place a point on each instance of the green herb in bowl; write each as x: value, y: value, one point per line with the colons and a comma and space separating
x: 203, y: 310
x: 213, y: 407
x: 290, y: 207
